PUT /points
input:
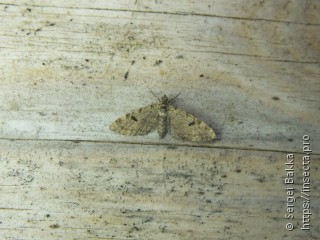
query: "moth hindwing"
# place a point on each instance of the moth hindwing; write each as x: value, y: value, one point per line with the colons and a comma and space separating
x: 165, y: 118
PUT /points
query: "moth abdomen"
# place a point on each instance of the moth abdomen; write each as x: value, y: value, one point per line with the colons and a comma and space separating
x: 162, y: 127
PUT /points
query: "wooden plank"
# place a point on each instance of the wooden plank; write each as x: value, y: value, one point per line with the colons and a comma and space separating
x: 67, y: 190
x: 63, y: 73
x: 294, y: 11
x: 68, y: 69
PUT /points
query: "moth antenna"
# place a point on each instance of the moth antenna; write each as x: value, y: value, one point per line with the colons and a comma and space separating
x: 174, y: 97
x: 153, y: 93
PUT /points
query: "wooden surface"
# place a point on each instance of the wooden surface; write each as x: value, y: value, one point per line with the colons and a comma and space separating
x: 250, y: 69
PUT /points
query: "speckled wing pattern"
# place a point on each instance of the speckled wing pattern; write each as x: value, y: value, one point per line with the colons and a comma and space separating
x: 139, y: 122
x: 187, y: 127
x: 164, y: 117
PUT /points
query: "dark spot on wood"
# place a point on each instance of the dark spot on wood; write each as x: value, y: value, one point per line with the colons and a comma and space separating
x: 179, y: 57
x: 43, y: 64
x: 131, y: 38
x: 158, y: 62
x: 54, y: 226
x: 147, y: 219
x: 29, y: 9
x: 76, y: 141
x: 290, y: 140
x: 201, y: 75
x: 133, y: 62
x: 87, y: 60
x: 275, y: 98
x: 52, y: 24
x: 47, y: 215
x: 172, y: 147
x: 134, y: 228
x: 126, y: 75
x: 134, y: 118
x: 261, y: 179
x: 144, y: 58
x: 192, y: 123
x: 37, y: 30
x: 238, y: 170
x: 224, y: 176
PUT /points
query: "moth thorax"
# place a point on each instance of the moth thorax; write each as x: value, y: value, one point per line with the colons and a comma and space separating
x: 164, y: 100
x: 162, y: 127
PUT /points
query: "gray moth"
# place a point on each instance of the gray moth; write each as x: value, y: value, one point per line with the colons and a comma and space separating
x: 165, y: 118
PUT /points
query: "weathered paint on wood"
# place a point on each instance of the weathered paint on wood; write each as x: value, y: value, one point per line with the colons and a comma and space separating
x: 250, y: 69
x: 55, y: 190
x: 67, y: 73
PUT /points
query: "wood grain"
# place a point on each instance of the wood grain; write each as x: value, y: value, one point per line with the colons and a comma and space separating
x: 54, y: 190
x: 250, y: 69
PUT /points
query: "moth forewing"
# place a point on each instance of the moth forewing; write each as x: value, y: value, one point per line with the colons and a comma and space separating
x: 139, y: 122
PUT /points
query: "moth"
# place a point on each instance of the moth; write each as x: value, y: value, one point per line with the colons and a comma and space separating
x: 165, y: 118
